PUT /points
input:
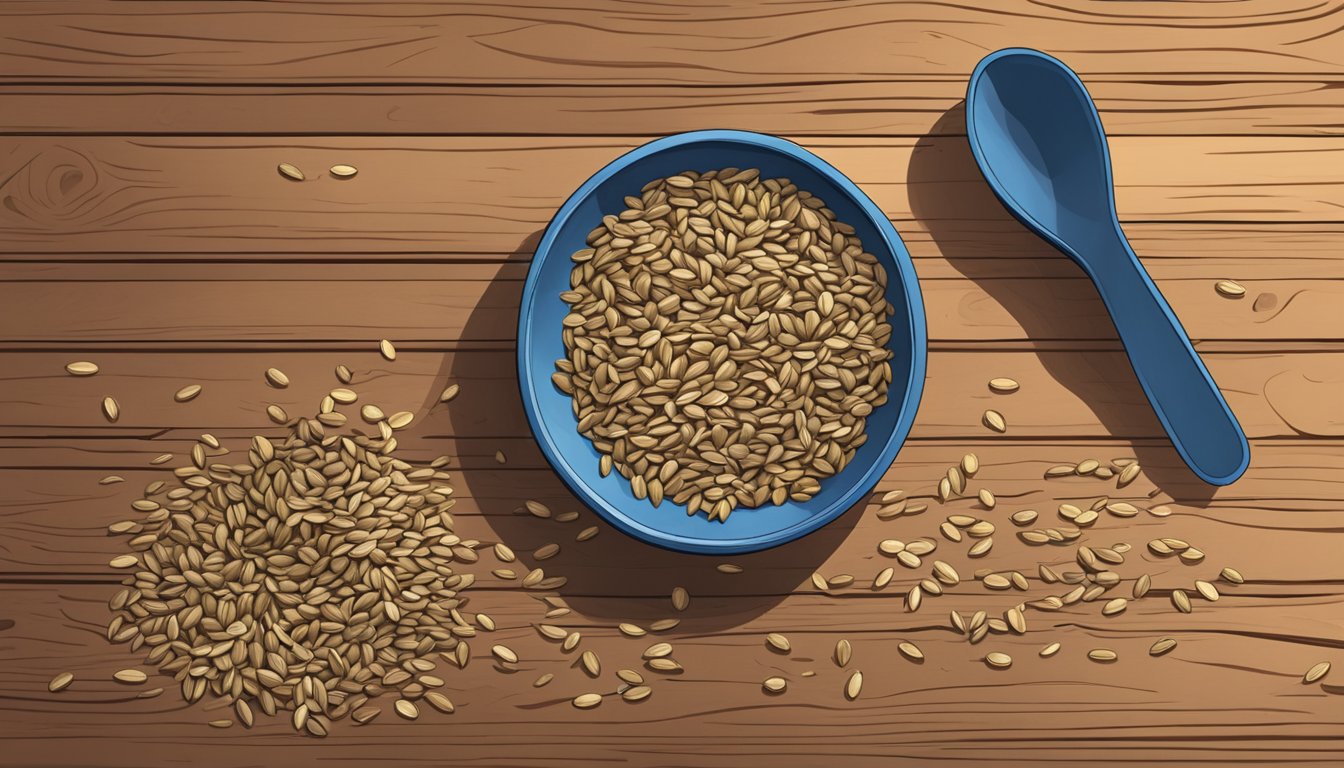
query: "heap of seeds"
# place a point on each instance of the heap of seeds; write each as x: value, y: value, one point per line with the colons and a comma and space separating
x: 727, y: 339
x: 314, y: 576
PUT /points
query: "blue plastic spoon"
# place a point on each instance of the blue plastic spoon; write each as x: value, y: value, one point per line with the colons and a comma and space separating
x: 1037, y: 138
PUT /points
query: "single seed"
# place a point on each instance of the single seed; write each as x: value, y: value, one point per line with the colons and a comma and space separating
x: 111, y: 411
x: 124, y: 561
x: 1142, y: 585
x: 587, y: 700
x: 1230, y: 288
x: 1316, y: 672
x: 387, y: 350
x: 1003, y: 385
x: 854, y: 685
x: 681, y: 599
x: 998, y: 660
x: 406, y: 709
x: 400, y: 420
x: 277, y: 414
x: 440, y: 702
x: 774, y: 684
x: 449, y: 393
x: 343, y: 171
x: 1102, y: 655
x: 1114, y: 606
x: 504, y: 654
x: 81, y: 368
x: 637, y: 693
x: 1162, y: 646
x: 778, y: 642
x: 728, y: 568
x: 1232, y: 576
x: 1050, y: 650
x: 60, y: 682
x: 1206, y: 590
x: 290, y: 172
x: 843, y: 652
x: 631, y: 630
x: 277, y: 378
x: 910, y: 651
x: 590, y: 663
x: 994, y: 420
x: 130, y: 676
x: 187, y: 393
x: 1181, y: 600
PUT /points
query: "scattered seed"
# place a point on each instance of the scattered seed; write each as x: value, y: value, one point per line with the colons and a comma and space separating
x: 1229, y: 288
x: 681, y: 599
x: 586, y: 533
x: 1114, y: 606
x: 1232, y: 576
x: 843, y: 652
x: 854, y: 685
x: 998, y: 660
x: 994, y: 420
x: 910, y: 651
x: 728, y: 568
x: 1050, y: 650
x: 343, y: 171
x: 277, y: 378
x: 631, y: 630
x: 591, y: 664
x: 1102, y: 655
x: 124, y: 561
x: 400, y: 420
x: 1207, y: 591
x: 111, y: 411
x: 449, y: 393
x: 1317, y: 672
x: 1162, y: 646
x: 637, y: 693
x: 440, y: 702
x: 1142, y: 585
x: 387, y: 350
x: 504, y: 654
x: 774, y: 684
x: 130, y: 676
x: 277, y: 414
x: 61, y: 681
x: 587, y: 700
x: 1003, y: 386
x: 406, y: 709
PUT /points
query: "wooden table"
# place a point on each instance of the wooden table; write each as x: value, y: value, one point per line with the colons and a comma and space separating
x: 144, y: 226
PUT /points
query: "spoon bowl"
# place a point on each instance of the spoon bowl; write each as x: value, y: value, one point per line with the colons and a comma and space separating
x: 1037, y: 137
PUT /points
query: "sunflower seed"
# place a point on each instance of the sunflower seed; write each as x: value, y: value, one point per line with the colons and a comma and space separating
x: 1317, y: 672
x: 60, y: 682
x: 1102, y: 655
x: 998, y: 660
x: 591, y: 664
x: 1207, y: 590
x: 587, y: 700
x: 277, y: 378
x: 406, y: 709
x: 1230, y: 288
x: 1050, y: 650
x: 1232, y: 576
x: 728, y: 568
x: 778, y: 642
x: 774, y: 684
x: 994, y: 420
x: 130, y: 676
x: 1181, y: 600
x: 81, y: 368
x: 1003, y: 385
x: 1162, y: 646
x: 111, y: 411
x: 290, y: 171
x: 448, y: 393
x: 854, y: 685
x: 910, y: 651
x: 187, y: 393
x: 387, y: 350
x: 343, y: 171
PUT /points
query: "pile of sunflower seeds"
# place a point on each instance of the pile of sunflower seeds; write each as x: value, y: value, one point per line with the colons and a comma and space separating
x: 726, y: 340
x: 311, y: 578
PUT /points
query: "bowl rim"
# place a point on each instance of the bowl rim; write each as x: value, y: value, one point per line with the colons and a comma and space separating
x: 914, y: 326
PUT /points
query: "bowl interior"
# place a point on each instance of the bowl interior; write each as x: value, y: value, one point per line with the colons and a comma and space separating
x: 540, y: 344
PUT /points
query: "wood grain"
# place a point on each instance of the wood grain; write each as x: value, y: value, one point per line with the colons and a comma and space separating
x: 143, y: 225
x: 1239, y: 674
x: 1066, y: 392
x: 77, y: 305
x: 127, y: 195
x: 612, y: 42
x: 1159, y: 105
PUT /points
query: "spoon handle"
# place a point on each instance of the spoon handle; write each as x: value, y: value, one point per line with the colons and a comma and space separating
x: 1187, y: 402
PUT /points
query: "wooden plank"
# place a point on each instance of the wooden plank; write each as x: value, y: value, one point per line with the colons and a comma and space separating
x: 468, y: 194
x: 611, y: 42
x: 1279, y: 524
x: 175, y: 305
x: 1159, y: 105
x: 1065, y: 393
x: 1236, y: 671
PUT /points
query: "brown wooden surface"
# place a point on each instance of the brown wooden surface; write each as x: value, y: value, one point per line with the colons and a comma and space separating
x: 143, y: 225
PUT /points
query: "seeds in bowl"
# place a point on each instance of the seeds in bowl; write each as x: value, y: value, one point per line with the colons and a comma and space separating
x: 726, y: 341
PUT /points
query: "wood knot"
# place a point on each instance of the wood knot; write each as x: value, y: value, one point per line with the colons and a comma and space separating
x: 47, y: 186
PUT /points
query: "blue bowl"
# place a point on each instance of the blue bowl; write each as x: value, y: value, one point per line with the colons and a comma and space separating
x: 539, y: 344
